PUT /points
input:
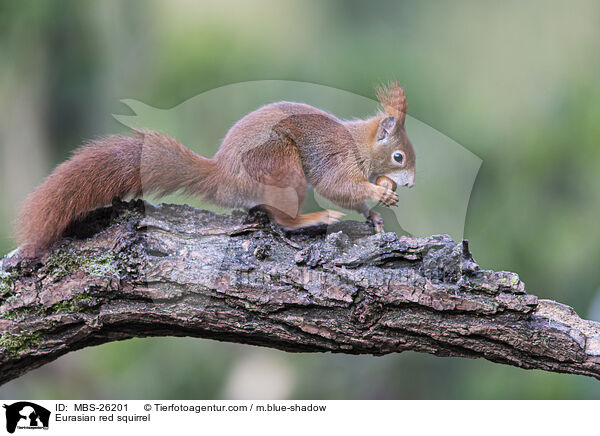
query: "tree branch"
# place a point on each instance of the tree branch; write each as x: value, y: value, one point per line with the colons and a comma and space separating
x: 137, y: 270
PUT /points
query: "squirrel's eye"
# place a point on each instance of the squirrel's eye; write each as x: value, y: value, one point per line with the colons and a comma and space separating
x: 398, y: 156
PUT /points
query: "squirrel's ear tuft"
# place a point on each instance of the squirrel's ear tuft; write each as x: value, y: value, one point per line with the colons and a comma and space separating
x: 386, y: 127
x: 393, y: 100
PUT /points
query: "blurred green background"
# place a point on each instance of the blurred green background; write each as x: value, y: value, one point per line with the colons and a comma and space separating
x: 517, y: 83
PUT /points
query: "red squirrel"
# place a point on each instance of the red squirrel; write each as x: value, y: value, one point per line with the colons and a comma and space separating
x: 266, y: 159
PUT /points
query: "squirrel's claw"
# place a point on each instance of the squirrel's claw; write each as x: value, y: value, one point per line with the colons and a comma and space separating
x: 387, y: 197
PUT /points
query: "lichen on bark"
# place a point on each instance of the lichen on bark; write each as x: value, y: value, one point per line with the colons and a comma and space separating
x: 135, y: 269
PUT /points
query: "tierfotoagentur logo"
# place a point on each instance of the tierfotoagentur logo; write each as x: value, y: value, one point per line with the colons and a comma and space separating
x: 445, y: 170
x: 436, y: 204
x: 24, y: 415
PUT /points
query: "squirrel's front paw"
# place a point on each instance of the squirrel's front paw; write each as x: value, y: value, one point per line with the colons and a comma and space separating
x: 386, y: 196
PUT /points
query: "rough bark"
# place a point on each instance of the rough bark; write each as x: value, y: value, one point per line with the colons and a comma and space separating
x: 136, y: 270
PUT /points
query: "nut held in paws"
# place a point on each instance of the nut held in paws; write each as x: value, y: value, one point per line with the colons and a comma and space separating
x: 386, y: 182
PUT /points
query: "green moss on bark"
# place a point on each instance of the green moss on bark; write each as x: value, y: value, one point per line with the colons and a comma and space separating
x: 6, y: 280
x: 74, y: 305
x: 15, y: 344
x: 66, y: 260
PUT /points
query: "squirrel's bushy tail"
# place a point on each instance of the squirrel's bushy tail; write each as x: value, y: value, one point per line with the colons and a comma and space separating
x: 107, y: 168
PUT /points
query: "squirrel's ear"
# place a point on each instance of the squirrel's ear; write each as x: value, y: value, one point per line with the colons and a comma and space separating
x: 386, y: 127
x: 393, y: 100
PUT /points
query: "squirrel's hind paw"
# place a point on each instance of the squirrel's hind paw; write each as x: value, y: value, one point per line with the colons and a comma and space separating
x: 375, y: 219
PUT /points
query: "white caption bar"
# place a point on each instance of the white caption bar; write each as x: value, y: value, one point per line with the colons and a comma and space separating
x: 264, y: 418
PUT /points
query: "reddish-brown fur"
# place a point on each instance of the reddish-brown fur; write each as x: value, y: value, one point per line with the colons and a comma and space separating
x: 107, y: 168
x: 267, y: 158
x: 393, y: 100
